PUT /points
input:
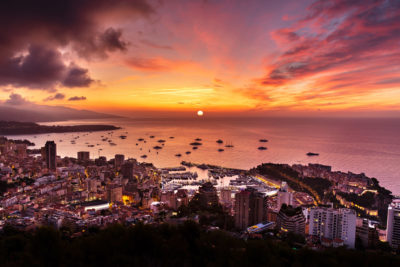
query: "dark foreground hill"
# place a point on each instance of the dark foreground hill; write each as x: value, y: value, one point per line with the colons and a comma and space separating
x: 18, y: 128
x: 165, y: 245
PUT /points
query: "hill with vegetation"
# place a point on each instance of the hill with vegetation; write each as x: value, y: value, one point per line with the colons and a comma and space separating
x: 18, y: 128
x: 165, y: 245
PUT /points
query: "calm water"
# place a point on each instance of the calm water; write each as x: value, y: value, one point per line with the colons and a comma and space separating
x: 371, y: 146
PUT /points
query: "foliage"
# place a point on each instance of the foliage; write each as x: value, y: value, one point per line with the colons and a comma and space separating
x: 366, y: 200
x: 283, y: 172
x: 209, y: 215
x: 166, y: 245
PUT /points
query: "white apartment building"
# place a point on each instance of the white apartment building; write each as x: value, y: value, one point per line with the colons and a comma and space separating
x: 393, y: 224
x: 334, y: 223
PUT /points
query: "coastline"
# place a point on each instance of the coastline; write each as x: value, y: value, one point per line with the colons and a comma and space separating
x: 30, y: 128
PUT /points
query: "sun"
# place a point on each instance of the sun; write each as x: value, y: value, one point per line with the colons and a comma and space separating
x: 200, y: 113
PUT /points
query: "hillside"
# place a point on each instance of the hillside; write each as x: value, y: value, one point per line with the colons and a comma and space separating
x: 41, y: 113
x: 16, y: 128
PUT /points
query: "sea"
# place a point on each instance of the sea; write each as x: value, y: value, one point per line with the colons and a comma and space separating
x: 362, y: 145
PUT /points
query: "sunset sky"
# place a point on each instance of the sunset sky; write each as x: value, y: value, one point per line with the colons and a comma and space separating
x: 143, y: 57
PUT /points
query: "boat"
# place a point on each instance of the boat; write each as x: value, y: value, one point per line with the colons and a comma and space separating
x: 137, y: 144
x: 113, y: 144
x: 90, y: 145
x: 188, y: 152
x: 161, y: 141
x: 220, y: 150
x: 157, y: 147
x: 171, y: 137
x: 195, y: 144
x: 219, y: 141
x: 311, y: 154
x: 122, y: 136
x: 151, y: 136
x: 197, y: 139
x: 262, y: 148
x: 143, y: 156
x: 263, y: 140
x: 140, y: 139
x: 229, y: 145
x: 195, y: 147
x: 178, y: 155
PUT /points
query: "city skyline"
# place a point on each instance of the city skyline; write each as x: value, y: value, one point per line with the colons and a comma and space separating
x: 146, y: 58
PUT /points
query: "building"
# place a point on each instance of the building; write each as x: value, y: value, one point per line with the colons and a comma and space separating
x: 367, y: 233
x: 51, y: 155
x: 284, y: 196
x: 290, y: 219
x: 100, y: 161
x: 21, y: 151
x: 393, y: 224
x: 114, y: 193
x: 225, y: 196
x: 250, y: 208
x: 333, y: 223
x: 127, y: 170
x: 208, y: 195
x: 169, y: 198
x: 242, y: 207
x: 83, y: 155
x: 119, y: 160
x: 182, y: 197
x: 260, y: 227
x: 96, y: 205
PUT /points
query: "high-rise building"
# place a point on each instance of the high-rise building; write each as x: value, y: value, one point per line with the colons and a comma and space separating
x: 119, y: 160
x: 250, y: 208
x: 127, y: 170
x: 290, y: 219
x: 334, y: 223
x: 225, y: 196
x: 208, y: 194
x: 114, y: 193
x: 242, y: 207
x: 284, y: 196
x: 101, y: 161
x: 393, y: 224
x: 51, y: 155
x: 367, y: 233
x: 83, y: 155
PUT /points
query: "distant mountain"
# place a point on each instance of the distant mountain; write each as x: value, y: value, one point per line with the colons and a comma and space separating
x: 42, y: 113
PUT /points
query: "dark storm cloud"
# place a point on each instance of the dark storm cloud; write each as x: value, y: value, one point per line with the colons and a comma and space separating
x: 42, y: 68
x: 77, y: 77
x: 100, y: 45
x: 77, y: 98
x: 16, y: 100
x: 29, y: 24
